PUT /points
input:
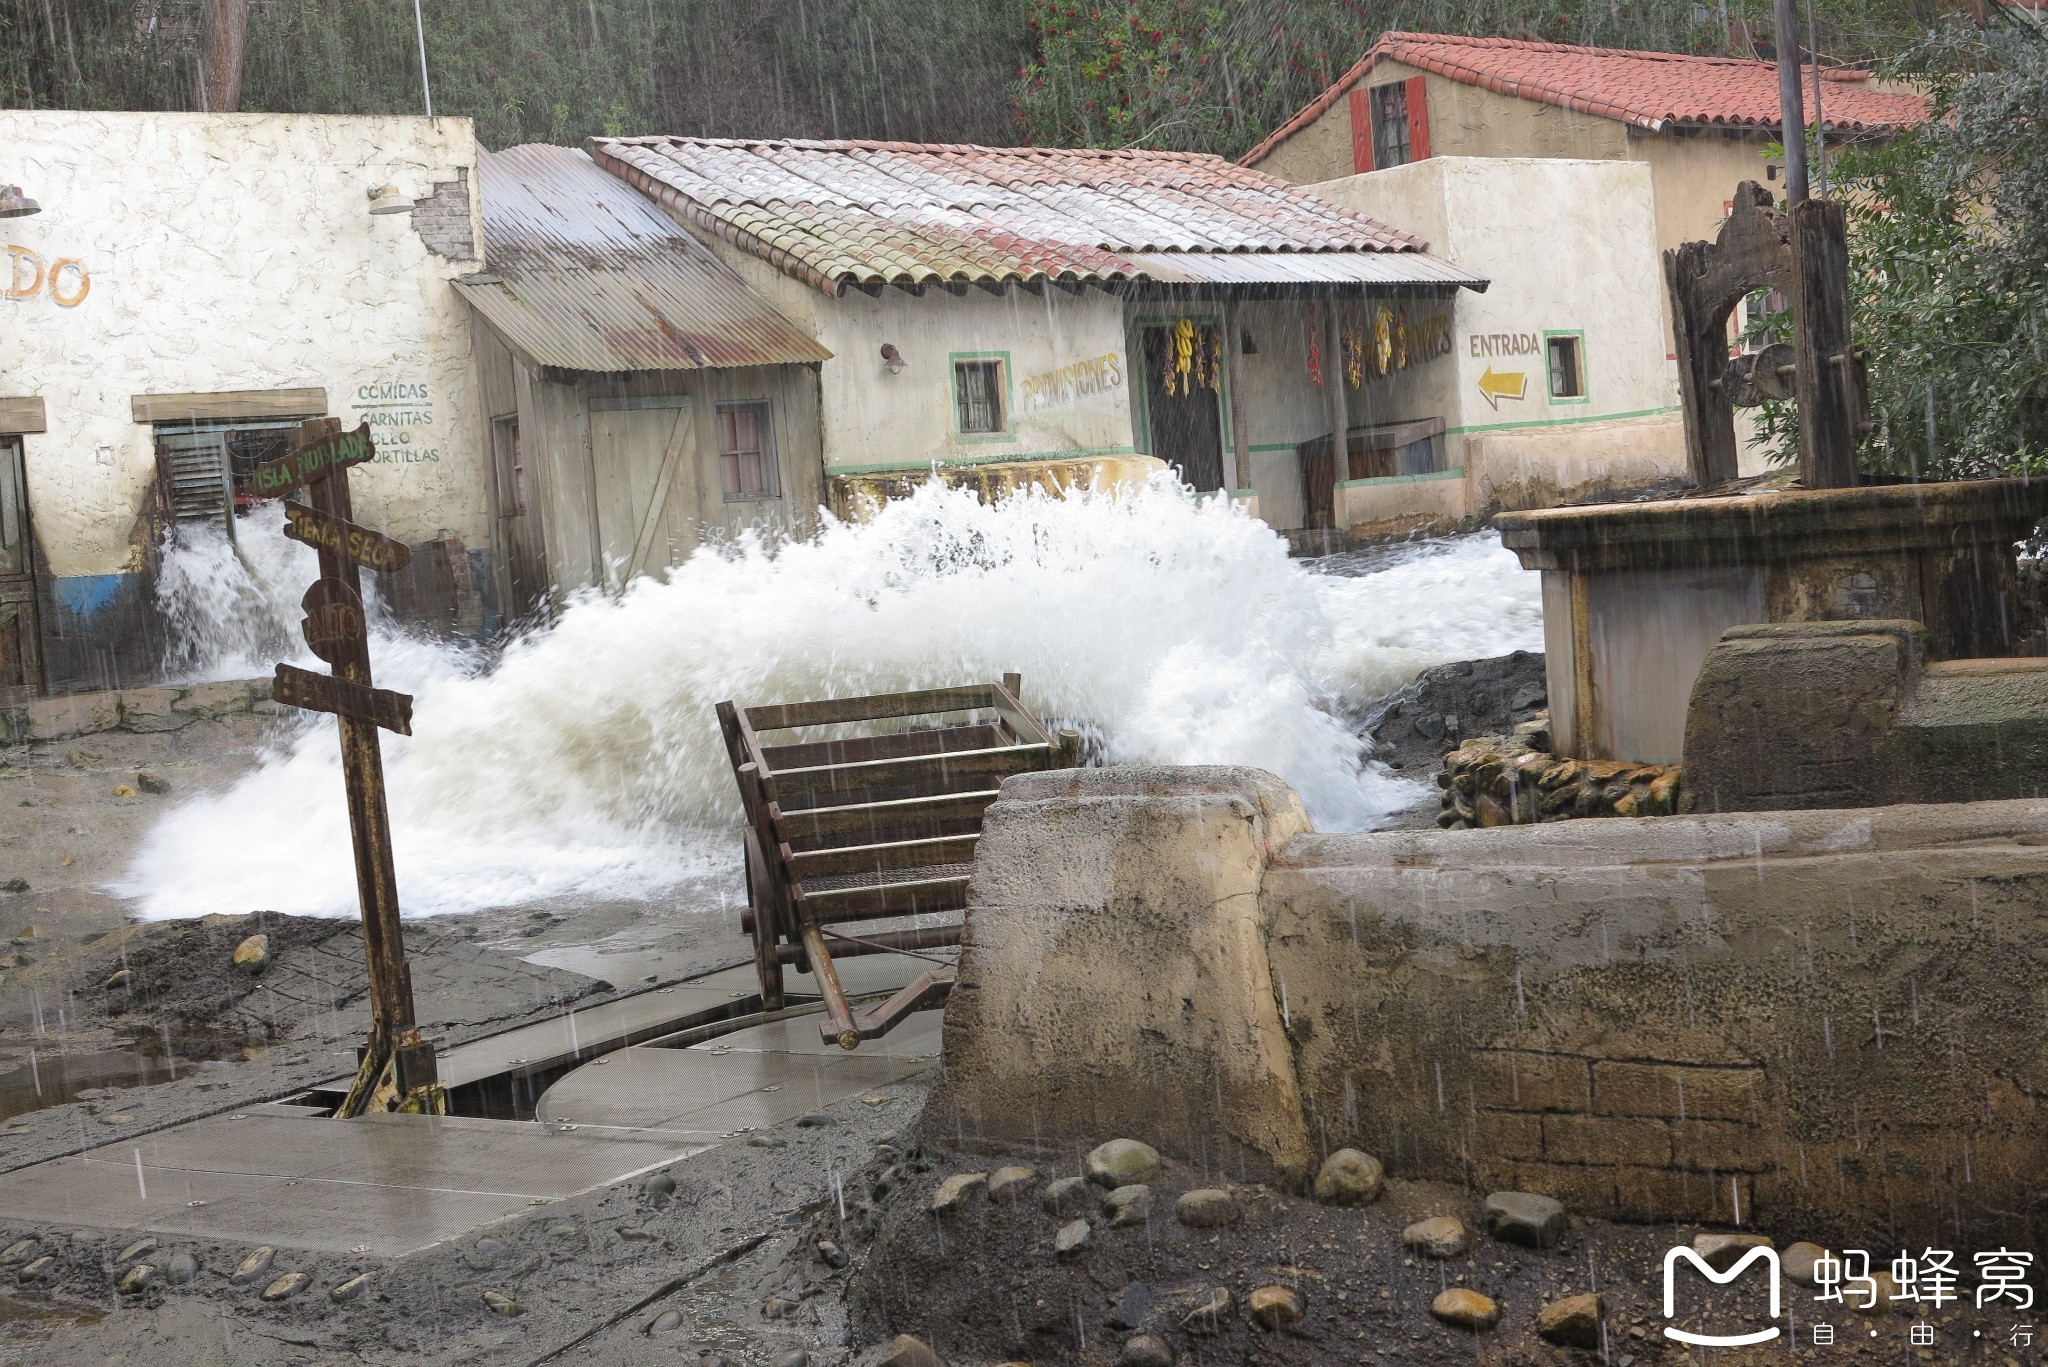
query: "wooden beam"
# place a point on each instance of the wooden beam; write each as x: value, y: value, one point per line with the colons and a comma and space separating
x: 233, y: 403
x: 1233, y: 377
x: 23, y: 414
x: 1830, y: 404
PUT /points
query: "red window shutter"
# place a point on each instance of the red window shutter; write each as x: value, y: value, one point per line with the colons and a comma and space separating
x: 1361, y: 130
x: 1418, y: 119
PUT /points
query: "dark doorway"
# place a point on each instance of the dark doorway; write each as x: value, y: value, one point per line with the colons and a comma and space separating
x: 1186, y: 425
x: 21, y: 653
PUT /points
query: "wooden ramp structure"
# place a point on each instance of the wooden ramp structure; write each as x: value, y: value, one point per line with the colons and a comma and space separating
x: 850, y: 838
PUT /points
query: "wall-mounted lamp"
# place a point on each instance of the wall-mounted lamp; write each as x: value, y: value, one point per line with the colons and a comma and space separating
x: 15, y: 204
x: 385, y: 199
x: 892, y: 358
x: 1245, y: 345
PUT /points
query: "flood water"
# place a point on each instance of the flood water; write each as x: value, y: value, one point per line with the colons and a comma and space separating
x: 585, y: 760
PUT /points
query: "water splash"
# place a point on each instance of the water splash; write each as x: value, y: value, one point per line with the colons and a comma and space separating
x: 588, y: 760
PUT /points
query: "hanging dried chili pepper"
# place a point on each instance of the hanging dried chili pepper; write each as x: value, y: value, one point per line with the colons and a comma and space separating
x: 1216, y: 359
x: 1315, y: 346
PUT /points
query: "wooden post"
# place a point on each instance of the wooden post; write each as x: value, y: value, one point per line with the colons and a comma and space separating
x: 1334, y: 396
x: 1830, y: 407
x: 398, y: 1068
x: 1233, y: 379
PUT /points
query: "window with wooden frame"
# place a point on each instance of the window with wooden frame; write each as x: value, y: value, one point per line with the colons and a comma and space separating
x: 746, y: 451
x: 1389, y: 124
x: 978, y: 397
x: 1566, y: 357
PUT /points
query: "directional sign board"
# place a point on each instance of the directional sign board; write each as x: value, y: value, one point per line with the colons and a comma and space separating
x: 334, y: 625
x: 326, y: 532
x: 315, y: 460
x: 296, y: 687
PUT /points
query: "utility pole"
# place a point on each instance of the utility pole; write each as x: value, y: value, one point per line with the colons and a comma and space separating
x: 1791, y: 113
x: 224, y: 30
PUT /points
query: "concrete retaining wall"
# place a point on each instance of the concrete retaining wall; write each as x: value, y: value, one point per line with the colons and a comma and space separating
x: 1826, y: 1022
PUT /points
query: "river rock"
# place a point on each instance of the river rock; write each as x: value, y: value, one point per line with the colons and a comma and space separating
x: 659, y: 1188
x: 1210, y: 1312
x: 907, y: 1350
x: 122, y: 978
x: 181, y: 1269
x: 1074, y: 1236
x: 20, y: 1251
x: 352, y: 1288
x: 153, y: 784
x: 1573, y: 1321
x: 1350, y: 1178
x: 1007, y: 1184
x: 811, y: 1120
x: 1127, y: 1206
x: 1121, y: 1162
x: 141, y: 1248
x: 1277, y: 1307
x: 1440, y: 1236
x: 956, y: 1191
x: 832, y: 1255
x: 1133, y: 1307
x: 287, y: 1286
x: 498, y: 1303
x: 252, y: 956
x: 1145, y: 1350
x: 1068, y: 1197
x: 1797, y: 1262
x: 1465, y: 1308
x: 1206, y: 1208
x: 1723, y: 1251
x: 136, y: 1279
x: 1521, y: 1217
x: 795, y: 1357
x: 252, y: 1267
x: 38, y: 1269
x: 667, y: 1322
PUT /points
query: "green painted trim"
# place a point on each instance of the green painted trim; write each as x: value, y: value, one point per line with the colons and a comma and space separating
x: 1585, y: 369
x: 1378, y: 480
x: 1276, y: 446
x: 992, y: 458
x: 1564, y: 422
x: 1009, y: 432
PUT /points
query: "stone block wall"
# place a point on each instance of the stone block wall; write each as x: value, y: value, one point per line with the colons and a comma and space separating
x: 1822, y: 1024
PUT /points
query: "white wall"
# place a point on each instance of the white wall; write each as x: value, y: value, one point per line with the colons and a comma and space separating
x: 235, y: 252
x: 1570, y: 246
x: 877, y: 421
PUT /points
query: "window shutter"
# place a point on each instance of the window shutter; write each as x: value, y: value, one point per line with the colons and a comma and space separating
x: 1361, y: 130
x: 1418, y: 119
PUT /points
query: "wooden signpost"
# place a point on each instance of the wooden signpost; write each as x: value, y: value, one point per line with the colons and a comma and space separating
x: 397, y: 1070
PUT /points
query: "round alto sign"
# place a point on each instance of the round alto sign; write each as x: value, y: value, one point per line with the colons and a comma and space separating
x: 334, y: 624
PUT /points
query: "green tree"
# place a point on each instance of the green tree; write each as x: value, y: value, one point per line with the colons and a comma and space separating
x: 1949, y: 261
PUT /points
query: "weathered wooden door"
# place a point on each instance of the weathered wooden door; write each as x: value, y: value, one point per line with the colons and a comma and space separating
x: 643, y: 454
x: 21, y: 653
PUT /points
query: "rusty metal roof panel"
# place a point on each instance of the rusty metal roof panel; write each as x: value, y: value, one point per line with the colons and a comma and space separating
x: 585, y: 273
x: 866, y: 213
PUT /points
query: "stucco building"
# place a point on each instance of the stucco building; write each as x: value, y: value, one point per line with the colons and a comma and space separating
x: 1589, y: 139
x: 192, y: 288
x: 1058, y: 314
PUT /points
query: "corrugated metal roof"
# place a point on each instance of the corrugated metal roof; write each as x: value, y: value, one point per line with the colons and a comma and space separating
x: 1303, y: 268
x: 1646, y: 89
x: 586, y: 274
x: 882, y: 213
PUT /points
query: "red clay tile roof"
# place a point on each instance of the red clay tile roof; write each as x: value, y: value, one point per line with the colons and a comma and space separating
x: 1647, y: 89
x: 879, y: 213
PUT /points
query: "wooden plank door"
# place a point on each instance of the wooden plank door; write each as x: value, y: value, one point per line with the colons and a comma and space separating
x: 644, y: 457
x: 21, y: 652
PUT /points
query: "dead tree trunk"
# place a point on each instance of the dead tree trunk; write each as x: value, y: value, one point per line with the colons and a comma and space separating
x: 224, y: 26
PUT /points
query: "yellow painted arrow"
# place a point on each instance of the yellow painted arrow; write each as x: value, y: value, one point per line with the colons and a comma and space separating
x: 1497, y: 385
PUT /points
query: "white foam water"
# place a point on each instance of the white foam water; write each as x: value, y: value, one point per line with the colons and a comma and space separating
x: 587, y: 761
